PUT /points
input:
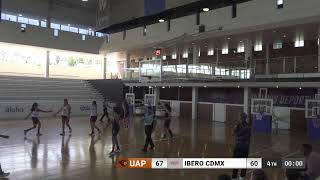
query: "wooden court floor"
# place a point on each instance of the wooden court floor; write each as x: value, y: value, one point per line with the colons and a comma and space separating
x: 79, y: 156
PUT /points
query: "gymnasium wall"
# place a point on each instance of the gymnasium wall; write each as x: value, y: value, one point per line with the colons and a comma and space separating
x: 44, y: 37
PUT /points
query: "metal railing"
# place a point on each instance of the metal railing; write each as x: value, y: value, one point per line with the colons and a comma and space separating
x: 294, y: 66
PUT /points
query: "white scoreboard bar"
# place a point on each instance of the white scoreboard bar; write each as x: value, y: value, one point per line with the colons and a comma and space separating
x: 206, y: 163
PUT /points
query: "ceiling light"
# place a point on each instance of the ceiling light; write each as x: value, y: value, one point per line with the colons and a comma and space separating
x: 277, y: 87
x: 206, y: 9
x: 284, y: 36
x: 300, y: 88
x: 238, y: 86
x: 84, y: 0
x: 228, y: 38
x: 161, y: 20
x: 163, y: 87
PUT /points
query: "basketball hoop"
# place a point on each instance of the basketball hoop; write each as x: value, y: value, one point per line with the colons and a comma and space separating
x: 259, y: 116
x: 316, y: 121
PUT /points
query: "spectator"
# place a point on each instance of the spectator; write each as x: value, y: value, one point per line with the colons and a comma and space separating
x: 242, y: 133
x: 258, y: 175
x: 312, y: 160
x: 224, y: 177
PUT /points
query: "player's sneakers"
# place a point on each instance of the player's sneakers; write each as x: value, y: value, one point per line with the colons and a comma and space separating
x: 118, y: 151
x: 2, y: 175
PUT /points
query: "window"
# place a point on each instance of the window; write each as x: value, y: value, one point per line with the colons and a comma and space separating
x: 258, y: 45
x: 225, y: 50
x: 91, y: 32
x: 55, y: 26
x: 174, y: 55
x: 279, y: 4
x: 34, y: 22
x: 185, y: 54
x: 83, y: 37
x: 164, y: 57
x: 56, y: 32
x: 277, y: 45
x: 3, y: 16
x: 240, y: 48
x: 199, y: 52
x: 10, y: 17
x: 83, y: 31
x: 210, y: 52
x: 23, y: 20
x: 43, y: 23
x: 74, y: 30
x: 65, y: 28
x: 299, y: 42
x: 23, y: 26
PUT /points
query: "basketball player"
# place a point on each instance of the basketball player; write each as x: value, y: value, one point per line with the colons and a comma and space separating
x: 93, y: 118
x: 167, y: 121
x: 65, y: 116
x: 34, y: 112
x: 3, y: 174
x: 148, y: 125
x: 115, y: 130
x: 242, y: 133
x: 125, y: 107
x: 105, y: 111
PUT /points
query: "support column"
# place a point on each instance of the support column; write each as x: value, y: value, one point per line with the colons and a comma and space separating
x: 248, y: 55
x: 267, y: 58
x: 318, y: 50
x: 47, y: 64
x: 104, y: 67
x: 246, y: 102
x: 157, y: 94
x: 194, y: 103
x: 195, y: 89
x: 127, y: 74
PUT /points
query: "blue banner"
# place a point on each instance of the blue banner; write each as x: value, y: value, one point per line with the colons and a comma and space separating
x: 154, y: 6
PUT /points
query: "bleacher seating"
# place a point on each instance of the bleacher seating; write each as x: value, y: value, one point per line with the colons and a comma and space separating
x: 13, y: 88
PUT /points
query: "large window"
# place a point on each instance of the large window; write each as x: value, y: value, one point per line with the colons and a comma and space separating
x: 299, y: 42
x: 54, y: 25
x: 258, y: 45
x: 240, y: 48
x: 277, y: 45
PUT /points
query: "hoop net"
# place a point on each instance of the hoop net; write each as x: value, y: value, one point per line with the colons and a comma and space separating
x: 261, y: 107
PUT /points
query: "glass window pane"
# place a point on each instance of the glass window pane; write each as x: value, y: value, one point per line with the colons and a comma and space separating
x: 56, y: 32
x: 34, y: 22
x: 43, y: 24
x: 23, y: 20
x: 11, y: 18
x: 74, y: 29
x: 83, y: 31
x: 65, y: 28
x: 55, y: 26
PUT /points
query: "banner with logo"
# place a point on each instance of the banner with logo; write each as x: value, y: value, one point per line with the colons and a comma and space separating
x: 21, y: 110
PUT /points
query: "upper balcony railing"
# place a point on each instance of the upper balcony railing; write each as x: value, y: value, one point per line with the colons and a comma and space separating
x: 285, y: 67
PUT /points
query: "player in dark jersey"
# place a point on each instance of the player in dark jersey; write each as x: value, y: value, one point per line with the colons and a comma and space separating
x: 167, y: 121
x: 105, y: 111
x: 115, y: 130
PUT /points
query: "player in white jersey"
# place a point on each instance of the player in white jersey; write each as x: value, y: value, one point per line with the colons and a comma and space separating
x: 34, y: 112
x: 93, y: 118
x: 65, y: 116
x: 3, y: 174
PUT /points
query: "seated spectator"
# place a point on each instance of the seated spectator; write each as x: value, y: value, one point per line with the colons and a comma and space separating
x: 258, y: 175
x: 312, y: 160
x: 224, y: 177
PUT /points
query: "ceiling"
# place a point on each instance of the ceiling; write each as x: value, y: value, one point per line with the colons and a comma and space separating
x: 89, y: 5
